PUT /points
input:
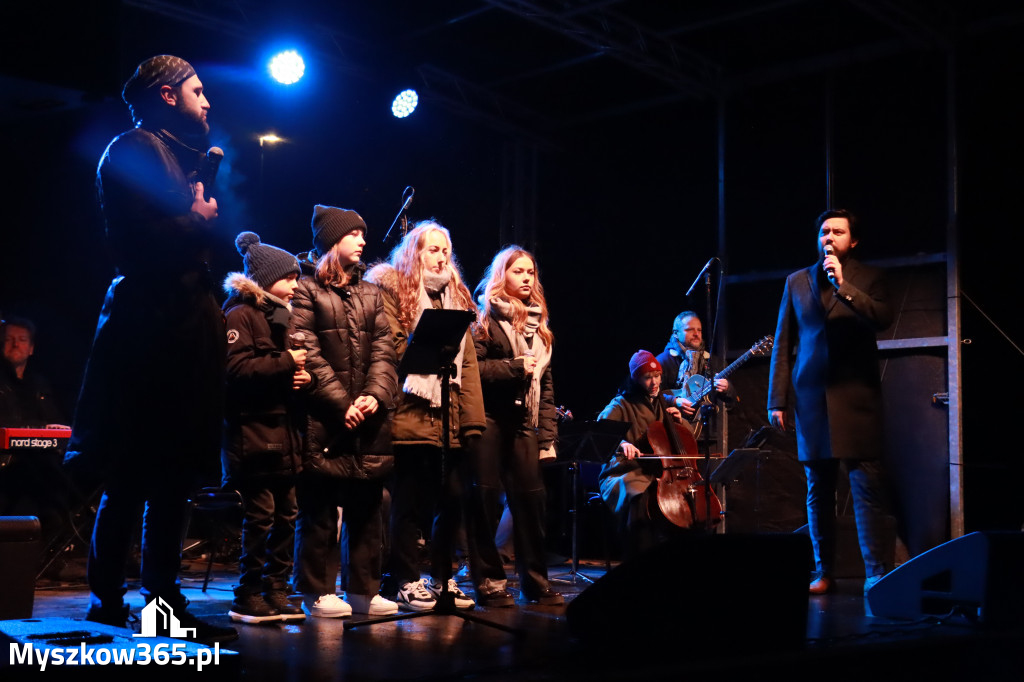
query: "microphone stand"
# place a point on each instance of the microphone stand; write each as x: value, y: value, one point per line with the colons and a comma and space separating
x: 407, y: 196
x: 707, y: 409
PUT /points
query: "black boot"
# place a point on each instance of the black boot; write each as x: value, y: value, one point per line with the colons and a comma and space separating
x: 109, y: 615
x: 250, y: 607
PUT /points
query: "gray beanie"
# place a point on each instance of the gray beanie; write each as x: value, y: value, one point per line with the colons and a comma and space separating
x: 330, y: 224
x: 264, y: 264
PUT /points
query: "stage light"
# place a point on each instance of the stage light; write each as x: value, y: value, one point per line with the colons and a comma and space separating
x: 287, y: 67
x: 270, y: 138
x: 405, y: 103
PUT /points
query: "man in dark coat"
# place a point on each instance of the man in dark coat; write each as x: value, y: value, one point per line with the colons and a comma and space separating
x: 825, y: 348
x: 150, y: 410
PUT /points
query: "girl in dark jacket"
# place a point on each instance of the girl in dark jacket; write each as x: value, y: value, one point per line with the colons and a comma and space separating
x: 348, y: 436
x: 260, y: 454
x: 422, y: 273
x: 513, y: 349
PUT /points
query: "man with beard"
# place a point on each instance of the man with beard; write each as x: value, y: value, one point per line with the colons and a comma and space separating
x: 685, y: 357
x: 825, y: 348
x: 150, y: 410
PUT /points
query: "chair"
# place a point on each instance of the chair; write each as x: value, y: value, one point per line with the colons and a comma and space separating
x: 211, y: 500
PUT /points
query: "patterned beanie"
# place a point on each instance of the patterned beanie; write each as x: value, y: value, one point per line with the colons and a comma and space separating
x: 330, y: 224
x: 149, y: 76
x: 264, y: 264
x: 643, y: 362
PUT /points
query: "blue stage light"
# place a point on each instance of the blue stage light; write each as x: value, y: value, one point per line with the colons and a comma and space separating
x: 287, y: 67
x: 405, y: 103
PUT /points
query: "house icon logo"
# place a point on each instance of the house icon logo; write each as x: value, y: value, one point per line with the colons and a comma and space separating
x: 158, y: 620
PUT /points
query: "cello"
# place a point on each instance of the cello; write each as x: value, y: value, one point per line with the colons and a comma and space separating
x: 683, y: 496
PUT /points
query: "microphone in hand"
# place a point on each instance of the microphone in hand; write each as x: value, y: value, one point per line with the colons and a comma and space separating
x: 208, y: 168
x: 830, y: 271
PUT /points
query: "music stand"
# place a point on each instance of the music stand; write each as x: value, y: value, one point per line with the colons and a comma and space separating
x: 728, y: 469
x: 591, y: 441
x: 432, y: 349
x: 731, y: 467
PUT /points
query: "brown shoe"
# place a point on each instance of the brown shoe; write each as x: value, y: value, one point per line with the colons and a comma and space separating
x: 821, y: 585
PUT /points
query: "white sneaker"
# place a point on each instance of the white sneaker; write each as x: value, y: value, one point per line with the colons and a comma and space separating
x: 373, y: 606
x: 415, y: 596
x: 462, y: 600
x: 330, y: 606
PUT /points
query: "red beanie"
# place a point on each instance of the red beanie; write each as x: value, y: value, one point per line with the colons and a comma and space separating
x: 643, y: 362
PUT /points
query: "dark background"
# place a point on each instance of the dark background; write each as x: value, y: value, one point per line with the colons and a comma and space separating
x: 617, y: 188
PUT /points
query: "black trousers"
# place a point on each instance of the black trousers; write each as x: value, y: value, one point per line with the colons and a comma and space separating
x: 419, y: 490
x: 507, y: 456
x: 644, y: 525
x: 868, y: 509
x: 162, y: 503
x: 268, y: 534
x: 318, y: 553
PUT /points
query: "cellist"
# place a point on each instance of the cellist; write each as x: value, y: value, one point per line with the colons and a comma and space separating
x: 627, y: 483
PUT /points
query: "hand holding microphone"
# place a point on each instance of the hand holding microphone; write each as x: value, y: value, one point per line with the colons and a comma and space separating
x: 298, y: 352
x: 202, y: 203
x: 833, y: 268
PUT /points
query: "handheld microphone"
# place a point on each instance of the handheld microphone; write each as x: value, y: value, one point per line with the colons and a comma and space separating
x: 831, y: 272
x: 208, y: 168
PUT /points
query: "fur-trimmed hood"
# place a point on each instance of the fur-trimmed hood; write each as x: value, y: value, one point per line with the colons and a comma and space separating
x: 383, y: 275
x: 242, y: 289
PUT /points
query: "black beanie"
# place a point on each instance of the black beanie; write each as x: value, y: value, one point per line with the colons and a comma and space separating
x: 330, y: 224
x: 264, y: 264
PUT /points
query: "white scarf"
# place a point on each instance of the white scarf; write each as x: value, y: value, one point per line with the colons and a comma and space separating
x: 428, y: 386
x: 520, y: 341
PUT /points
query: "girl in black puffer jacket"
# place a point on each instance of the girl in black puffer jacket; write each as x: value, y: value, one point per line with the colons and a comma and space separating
x: 348, y: 436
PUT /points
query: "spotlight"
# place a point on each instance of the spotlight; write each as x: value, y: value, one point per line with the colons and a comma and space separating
x: 405, y: 103
x: 287, y: 67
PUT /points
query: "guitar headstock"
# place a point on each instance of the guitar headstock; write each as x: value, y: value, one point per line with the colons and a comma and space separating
x: 764, y: 346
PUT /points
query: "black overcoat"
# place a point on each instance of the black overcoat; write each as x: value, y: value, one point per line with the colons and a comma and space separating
x: 826, y: 358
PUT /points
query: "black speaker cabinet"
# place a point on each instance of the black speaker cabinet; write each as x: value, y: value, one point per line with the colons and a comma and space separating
x: 719, y: 593
x: 979, y: 576
x: 20, y: 544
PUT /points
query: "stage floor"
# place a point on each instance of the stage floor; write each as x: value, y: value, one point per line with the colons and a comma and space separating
x: 842, y: 642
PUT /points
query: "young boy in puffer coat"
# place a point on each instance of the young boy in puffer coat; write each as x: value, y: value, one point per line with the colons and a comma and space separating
x: 261, y: 452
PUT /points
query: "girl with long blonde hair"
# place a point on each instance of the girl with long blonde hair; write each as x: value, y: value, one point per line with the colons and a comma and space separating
x: 513, y: 348
x: 422, y: 273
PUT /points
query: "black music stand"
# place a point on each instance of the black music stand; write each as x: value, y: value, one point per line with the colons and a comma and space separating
x: 432, y: 349
x: 732, y: 466
x: 592, y: 441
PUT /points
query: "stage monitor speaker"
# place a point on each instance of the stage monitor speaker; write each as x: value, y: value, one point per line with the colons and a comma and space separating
x: 979, y: 576
x: 20, y: 545
x: 709, y: 594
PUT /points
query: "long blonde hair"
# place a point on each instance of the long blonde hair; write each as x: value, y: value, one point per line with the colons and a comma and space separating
x: 405, y: 259
x: 493, y: 286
